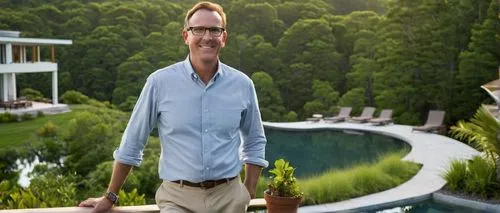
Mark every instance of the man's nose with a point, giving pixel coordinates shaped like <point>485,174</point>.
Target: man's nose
<point>207,35</point>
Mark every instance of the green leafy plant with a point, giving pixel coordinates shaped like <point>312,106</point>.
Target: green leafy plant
<point>32,94</point>
<point>131,199</point>
<point>481,177</point>
<point>456,174</point>
<point>283,183</point>
<point>74,97</point>
<point>483,131</point>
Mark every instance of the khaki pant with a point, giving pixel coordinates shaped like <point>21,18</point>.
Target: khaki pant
<point>231,197</point>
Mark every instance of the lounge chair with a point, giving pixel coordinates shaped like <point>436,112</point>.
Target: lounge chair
<point>434,122</point>
<point>365,116</point>
<point>342,116</point>
<point>384,118</point>
<point>315,118</point>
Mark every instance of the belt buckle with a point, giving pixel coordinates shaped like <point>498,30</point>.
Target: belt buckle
<point>202,185</point>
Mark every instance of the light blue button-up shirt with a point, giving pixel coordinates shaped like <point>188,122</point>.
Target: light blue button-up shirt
<point>206,131</point>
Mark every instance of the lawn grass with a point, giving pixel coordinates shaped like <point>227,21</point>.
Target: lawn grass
<point>16,134</point>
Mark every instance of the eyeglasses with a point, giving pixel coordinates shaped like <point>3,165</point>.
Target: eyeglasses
<point>200,31</point>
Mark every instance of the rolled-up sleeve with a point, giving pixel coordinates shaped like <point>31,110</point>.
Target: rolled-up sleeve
<point>253,136</point>
<point>142,121</point>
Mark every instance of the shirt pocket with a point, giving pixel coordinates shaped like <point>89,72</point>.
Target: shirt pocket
<point>227,121</point>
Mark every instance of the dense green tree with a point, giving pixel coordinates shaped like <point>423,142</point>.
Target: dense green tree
<point>354,98</point>
<point>348,6</point>
<point>255,19</point>
<point>478,65</point>
<point>325,98</point>
<point>270,103</point>
<point>292,11</point>
<point>296,86</point>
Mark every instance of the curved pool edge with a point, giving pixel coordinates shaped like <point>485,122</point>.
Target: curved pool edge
<point>434,152</point>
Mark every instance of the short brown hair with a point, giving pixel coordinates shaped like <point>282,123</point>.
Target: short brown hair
<point>208,6</point>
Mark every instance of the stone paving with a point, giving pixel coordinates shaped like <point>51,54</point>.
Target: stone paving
<point>433,151</point>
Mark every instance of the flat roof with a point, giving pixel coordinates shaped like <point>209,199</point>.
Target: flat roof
<point>493,85</point>
<point>34,41</point>
<point>9,33</point>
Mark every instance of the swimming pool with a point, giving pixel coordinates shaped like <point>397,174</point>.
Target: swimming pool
<point>429,206</point>
<point>317,151</point>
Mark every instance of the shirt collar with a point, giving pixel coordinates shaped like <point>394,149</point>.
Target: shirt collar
<point>194,75</point>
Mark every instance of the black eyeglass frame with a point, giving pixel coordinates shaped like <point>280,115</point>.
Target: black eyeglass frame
<point>213,31</point>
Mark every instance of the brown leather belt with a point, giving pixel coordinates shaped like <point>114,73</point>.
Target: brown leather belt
<point>205,184</point>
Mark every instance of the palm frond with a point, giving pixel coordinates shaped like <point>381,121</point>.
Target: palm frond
<point>481,132</point>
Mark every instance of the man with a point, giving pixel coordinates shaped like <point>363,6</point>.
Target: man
<point>205,112</point>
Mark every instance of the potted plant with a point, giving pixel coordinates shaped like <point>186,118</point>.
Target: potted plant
<point>283,194</point>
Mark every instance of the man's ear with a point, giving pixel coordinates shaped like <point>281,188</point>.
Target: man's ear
<point>224,39</point>
<point>184,35</point>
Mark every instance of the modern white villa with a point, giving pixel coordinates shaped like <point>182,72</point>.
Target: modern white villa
<point>26,55</point>
<point>493,89</point>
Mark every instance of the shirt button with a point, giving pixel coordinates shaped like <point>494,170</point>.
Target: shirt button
<point>208,168</point>
<point>206,130</point>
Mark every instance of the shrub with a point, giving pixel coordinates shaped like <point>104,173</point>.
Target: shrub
<point>47,190</point>
<point>129,104</point>
<point>131,199</point>
<point>456,175</point>
<point>13,117</point>
<point>32,94</point>
<point>49,129</point>
<point>476,176</point>
<point>74,97</point>
<point>290,116</point>
<point>96,103</point>
<point>26,117</point>
<point>8,117</point>
<point>40,114</point>
<point>481,177</point>
<point>109,105</point>
<point>4,117</point>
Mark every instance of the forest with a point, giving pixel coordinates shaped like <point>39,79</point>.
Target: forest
<point>308,56</point>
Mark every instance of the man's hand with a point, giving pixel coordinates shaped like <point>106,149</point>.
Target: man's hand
<point>100,204</point>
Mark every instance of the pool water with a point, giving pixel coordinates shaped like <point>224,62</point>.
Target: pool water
<point>314,152</point>
<point>429,207</point>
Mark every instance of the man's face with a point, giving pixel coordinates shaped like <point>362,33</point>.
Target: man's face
<point>204,48</point>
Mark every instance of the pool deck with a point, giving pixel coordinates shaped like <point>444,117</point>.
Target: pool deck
<point>433,151</point>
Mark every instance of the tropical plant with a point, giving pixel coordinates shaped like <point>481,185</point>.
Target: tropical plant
<point>131,199</point>
<point>480,179</point>
<point>456,174</point>
<point>483,131</point>
<point>284,183</point>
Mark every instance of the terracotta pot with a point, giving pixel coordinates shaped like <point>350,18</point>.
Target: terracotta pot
<point>276,204</point>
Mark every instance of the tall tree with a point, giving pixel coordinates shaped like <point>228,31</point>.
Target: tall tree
<point>270,103</point>
<point>479,64</point>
